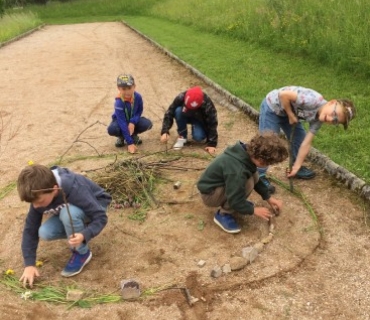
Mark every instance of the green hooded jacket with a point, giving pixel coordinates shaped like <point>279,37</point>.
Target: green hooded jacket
<point>231,170</point>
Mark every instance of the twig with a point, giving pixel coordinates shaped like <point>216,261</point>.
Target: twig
<point>77,140</point>
<point>176,202</point>
<point>291,156</point>
<point>65,201</point>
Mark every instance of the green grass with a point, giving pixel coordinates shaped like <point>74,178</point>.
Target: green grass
<point>251,47</point>
<point>249,72</point>
<point>15,23</point>
<point>56,294</point>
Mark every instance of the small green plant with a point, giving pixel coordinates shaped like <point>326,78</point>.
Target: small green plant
<point>55,294</point>
<point>201,225</point>
<point>138,215</point>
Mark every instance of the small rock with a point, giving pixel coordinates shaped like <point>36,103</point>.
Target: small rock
<point>271,228</point>
<point>237,263</point>
<point>130,289</point>
<point>177,185</point>
<point>268,238</point>
<point>259,246</point>
<point>193,300</point>
<point>216,272</point>
<point>74,295</point>
<point>226,268</point>
<point>250,253</point>
<point>201,263</point>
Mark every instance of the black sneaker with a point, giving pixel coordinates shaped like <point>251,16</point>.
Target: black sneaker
<point>268,184</point>
<point>305,173</point>
<point>120,142</point>
<point>137,140</point>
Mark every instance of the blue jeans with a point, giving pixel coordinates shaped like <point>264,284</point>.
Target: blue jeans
<point>270,121</point>
<point>143,125</point>
<point>197,127</point>
<point>59,226</point>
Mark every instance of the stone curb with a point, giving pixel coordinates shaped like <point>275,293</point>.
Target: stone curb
<point>343,175</point>
<point>3,44</point>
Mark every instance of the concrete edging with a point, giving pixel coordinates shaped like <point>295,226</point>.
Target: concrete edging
<point>2,44</point>
<point>354,183</point>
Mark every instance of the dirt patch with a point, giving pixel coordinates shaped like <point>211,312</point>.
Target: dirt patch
<point>59,81</point>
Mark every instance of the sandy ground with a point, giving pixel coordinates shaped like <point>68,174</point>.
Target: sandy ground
<point>57,88</point>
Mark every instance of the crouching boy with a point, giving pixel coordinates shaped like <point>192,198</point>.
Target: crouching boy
<point>76,209</point>
<point>231,177</point>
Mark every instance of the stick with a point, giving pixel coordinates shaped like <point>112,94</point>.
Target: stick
<point>188,296</point>
<point>69,213</point>
<point>291,156</point>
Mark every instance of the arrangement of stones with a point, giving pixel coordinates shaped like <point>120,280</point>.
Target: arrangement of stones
<point>248,255</point>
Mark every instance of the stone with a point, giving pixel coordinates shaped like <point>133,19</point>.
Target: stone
<point>259,246</point>
<point>74,295</point>
<point>226,268</point>
<point>268,238</point>
<point>237,263</point>
<point>201,263</point>
<point>250,253</point>
<point>130,289</point>
<point>216,272</point>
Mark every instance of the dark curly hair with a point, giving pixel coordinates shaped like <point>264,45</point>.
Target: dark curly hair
<point>268,147</point>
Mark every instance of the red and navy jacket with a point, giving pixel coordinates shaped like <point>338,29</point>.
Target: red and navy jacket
<point>206,113</point>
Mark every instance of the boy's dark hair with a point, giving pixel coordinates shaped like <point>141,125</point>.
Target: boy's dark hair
<point>32,178</point>
<point>268,147</point>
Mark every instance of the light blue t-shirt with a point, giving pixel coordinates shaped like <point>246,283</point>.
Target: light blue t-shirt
<point>305,107</point>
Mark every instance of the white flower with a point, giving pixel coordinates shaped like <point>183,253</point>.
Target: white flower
<point>26,295</point>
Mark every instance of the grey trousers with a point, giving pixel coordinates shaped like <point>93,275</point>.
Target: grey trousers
<point>217,198</point>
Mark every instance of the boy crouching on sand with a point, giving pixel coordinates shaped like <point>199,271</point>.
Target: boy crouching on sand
<point>231,177</point>
<point>48,190</point>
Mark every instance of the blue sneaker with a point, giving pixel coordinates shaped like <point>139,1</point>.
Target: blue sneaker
<point>267,183</point>
<point>305,173</point>
<point>76,263</point>
<point>226,222</point>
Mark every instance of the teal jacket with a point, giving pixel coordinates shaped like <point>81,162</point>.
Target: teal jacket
<point>231,170</point>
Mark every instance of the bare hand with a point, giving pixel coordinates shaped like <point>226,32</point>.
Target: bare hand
<point>210,150</point>
<point>262,212</point>
<point>131,148</point>
<point>293,119</point>
<point>76,240</point>
<point>131,128</point>
<point>291,173</point>
<point>276,204</point>
<point>29,275</point>
<point>165,137</point>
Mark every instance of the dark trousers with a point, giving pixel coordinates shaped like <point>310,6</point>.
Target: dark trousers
<point>143,125</point>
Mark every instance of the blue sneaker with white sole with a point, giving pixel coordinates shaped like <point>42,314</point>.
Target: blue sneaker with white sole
<point>226,222</point>
<point>76,263</point>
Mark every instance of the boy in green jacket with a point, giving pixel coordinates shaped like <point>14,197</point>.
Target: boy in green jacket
<point>231,177</point>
